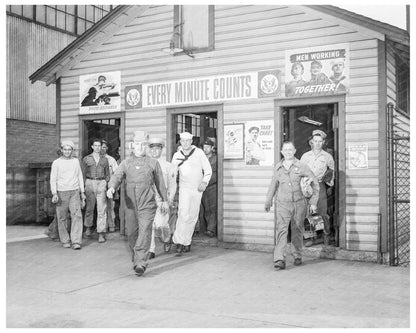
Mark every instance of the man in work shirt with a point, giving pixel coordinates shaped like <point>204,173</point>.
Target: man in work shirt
<point>112,163</point>
<point>208,210</point>
<point>322,164</point>
<point>254,152</point>
<point>66,184</point>
<point>141,173</point>
<point>290,203</point>
<point>96,173</point>
<point>194,172</point>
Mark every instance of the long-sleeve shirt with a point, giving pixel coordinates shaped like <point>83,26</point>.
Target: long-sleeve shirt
<point>192,168</point>
<point>66,175</point>
<point>285,183</point>
<point>319,163</point>
<point>94,170</point>
<point>140,171</point>
<point>112,163</point>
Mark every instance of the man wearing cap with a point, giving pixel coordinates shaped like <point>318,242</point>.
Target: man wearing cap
<point>208,210</point>
<point>142,173</point>
<point>194,172</point>
<point>317,77</point>
<point>112,163</point>
<point>155,151</point>
<point>338,74</point>
<point>67,185</point>
<point>96,172</point>
<point>254,152</point>
<point>323,167</point>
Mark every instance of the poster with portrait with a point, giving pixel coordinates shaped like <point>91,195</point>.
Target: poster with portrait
<point>100,92</point>
<point>259,143</point>
<point>317,71</point>
<point>358,156</point>
<point>234,141</point>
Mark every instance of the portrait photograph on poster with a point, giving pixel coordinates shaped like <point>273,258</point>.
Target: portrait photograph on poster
<point>234,141</point>
<point>259,145</point>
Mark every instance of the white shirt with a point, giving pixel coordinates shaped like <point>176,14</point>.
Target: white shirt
<point>112,164</point>
<point>319,163</point>
<point>66,175</point>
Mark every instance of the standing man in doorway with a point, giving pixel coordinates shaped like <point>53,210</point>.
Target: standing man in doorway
<point>96,173</point>
<point>194,172</point>
<point>112,163</point>
<point>208,210</point>
<point>323,167</point>
<point>290,203</point>
<point>254,152</point>
<point>66,184</point>
<point>142,173</point>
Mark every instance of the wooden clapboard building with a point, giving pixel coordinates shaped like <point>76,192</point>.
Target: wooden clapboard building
<point>222,71</point>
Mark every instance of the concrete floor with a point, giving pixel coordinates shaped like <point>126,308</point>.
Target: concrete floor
<point>49,286</point>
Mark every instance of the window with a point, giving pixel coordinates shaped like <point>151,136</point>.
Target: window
<point>402,85</point>
<point>194,27</point>
<point>70,18</point>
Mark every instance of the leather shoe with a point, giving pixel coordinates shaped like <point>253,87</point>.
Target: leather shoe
<point>139,270</point>
<point>151,255</point>
<point>76,246</point>
<point>210,234</point>
<point>280,264</point>
<point>298,261</point>
<point>101,238</point>
<point>179,249</point>
<point>88,232</point>
<point>187,248</point>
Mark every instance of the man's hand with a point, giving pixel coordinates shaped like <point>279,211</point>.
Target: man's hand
<point>313,209</point>
<point>171,202</point>
<point>55,198</point>
<point>267,206</point>
<point>110,193</point>
<point>202,186</point>
<point>83,198</point>
<point>164,207</point>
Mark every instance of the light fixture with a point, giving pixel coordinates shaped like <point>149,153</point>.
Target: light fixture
<point>307,120</point>
<point>173,50</point>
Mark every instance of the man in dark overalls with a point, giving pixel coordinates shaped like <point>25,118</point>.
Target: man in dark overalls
<point>141,172</point>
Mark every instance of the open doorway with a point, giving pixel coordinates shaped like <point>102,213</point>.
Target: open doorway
<point>203,124</point>
<point>298,124</point>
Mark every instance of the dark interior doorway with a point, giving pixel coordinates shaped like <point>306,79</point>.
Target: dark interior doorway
<point>104,129</point>
<point>298,124</point>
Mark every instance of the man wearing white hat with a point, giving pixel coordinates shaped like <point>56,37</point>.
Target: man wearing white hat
<point>194,171</point>
<point>67,187</point>
<point>156,146</point>
<point>142,173</point>
<point>322,165</point>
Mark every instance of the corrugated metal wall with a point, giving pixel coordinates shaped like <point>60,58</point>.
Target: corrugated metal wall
<point>247,38</point>
<point>29,46</point>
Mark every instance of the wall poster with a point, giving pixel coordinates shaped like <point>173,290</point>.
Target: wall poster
<point>358,157</point>
<point>100,92</point>
<point>259,146</point>
<point>234,141</point>
<point>317,71</point>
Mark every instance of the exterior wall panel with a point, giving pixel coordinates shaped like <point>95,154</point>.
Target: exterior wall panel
<point>247,38</point>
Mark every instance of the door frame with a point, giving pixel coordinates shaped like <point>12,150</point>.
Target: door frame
<point>96,116</point>
<point>339,136</point>
<point>218,108</point>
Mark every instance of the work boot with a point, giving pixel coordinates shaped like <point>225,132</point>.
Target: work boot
<point>298,261</point>
<point>187,248</point>
<point>101,238</point>
<point>88,232</point>
<point>179,249</point>
<point>76,246</point>
<point>279,264</point>
<point>151,255</point>
<point>66,245</point>
<point>210,234</point>
<point>139,270</point>
<point>111,229</point>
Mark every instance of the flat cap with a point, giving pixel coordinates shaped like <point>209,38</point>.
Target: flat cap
<point>186,136</point>
<point>67,143</point>
<point>209,142</point>
<point>320,133</point>
<point>156,142</point>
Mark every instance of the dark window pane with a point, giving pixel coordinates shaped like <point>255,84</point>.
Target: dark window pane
<point>50,16</point>
<point>60,18</point>
<point>28,11</point>
<point>40,13</point>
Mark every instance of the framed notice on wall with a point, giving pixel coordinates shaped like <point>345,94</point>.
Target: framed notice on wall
<point>234,141</point>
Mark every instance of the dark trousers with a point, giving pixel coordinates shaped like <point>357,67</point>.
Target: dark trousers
<point>208,210</point>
